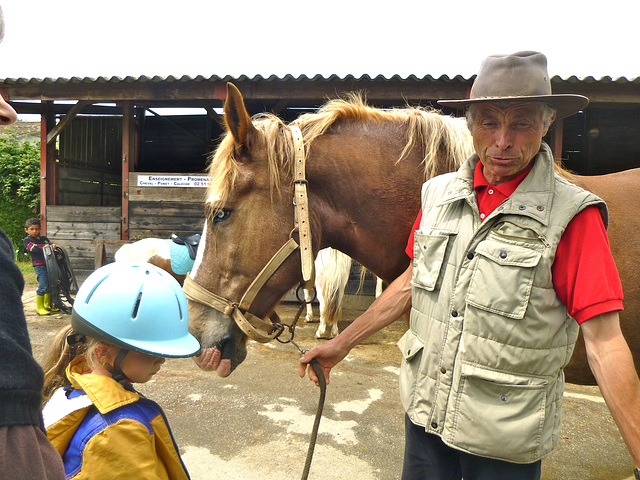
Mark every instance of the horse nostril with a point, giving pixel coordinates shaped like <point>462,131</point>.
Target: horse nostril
<point>225,346</point>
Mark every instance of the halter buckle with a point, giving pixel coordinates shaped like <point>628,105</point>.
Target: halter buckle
<point>281,328</point>
<point>228,311</point>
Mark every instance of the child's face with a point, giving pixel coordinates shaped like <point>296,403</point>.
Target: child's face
<point>140,367</point>
<point>33,230</point>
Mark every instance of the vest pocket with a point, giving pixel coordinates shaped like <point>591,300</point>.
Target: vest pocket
<point>502,278</point>
<point>411,347</point>
<point>429,251</point>
<point>499,415</point>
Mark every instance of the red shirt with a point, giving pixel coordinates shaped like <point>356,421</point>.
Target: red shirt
<point>585,276</point>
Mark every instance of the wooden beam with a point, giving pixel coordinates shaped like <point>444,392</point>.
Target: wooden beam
<point>48,184</point>
<point>100,258</point>
<point>557,141</point>
<point>66,120</point>
<point>281,105</point>
<point>177,125</point>
<point>315,90</point>
<point>128,160</point>
<point>219,119</point>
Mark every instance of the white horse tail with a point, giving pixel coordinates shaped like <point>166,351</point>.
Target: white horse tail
<point>334,283</point>
<point>336,267</point>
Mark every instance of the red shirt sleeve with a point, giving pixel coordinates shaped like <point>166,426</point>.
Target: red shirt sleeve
<point>415,227</point>
<point>585,276</point>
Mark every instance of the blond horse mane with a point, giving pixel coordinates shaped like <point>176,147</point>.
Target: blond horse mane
<point>442,137</point>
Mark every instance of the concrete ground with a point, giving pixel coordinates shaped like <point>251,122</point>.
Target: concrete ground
<point>256,423</point>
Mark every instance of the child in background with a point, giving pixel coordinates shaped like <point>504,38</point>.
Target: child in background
<point>34,243</point>
<point>126,318</point>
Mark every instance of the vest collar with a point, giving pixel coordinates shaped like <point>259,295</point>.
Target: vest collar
<point>532,198</point>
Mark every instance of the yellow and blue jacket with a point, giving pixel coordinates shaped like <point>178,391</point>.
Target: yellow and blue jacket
<point>104,431</point>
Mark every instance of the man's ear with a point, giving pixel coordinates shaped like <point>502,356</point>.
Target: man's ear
<point>553,119</point>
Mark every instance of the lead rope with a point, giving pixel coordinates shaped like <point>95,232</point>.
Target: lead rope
<point>323,389</point>
<point>314,432</point>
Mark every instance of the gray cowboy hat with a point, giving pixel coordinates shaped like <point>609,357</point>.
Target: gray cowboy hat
<point>520,77</point>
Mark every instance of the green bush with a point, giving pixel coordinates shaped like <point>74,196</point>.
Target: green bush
<point>28,273</point>
<point>19,186</point>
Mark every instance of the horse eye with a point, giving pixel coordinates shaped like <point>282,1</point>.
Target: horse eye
<point>221,216</point>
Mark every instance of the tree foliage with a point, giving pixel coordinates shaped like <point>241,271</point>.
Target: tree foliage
<point>19,185</point>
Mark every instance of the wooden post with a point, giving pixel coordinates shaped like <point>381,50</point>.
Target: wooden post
<point>100,258</point>
<point>101,254</point>
<point>48,183</point>
<point>128,162</point>
<point>557,141</point>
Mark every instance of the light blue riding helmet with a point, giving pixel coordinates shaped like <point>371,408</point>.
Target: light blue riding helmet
<point>136,306</point>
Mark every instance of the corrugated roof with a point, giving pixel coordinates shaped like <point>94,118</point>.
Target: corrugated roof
<point>288,77</point>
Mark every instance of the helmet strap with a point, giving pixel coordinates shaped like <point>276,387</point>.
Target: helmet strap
<point>117,374</point>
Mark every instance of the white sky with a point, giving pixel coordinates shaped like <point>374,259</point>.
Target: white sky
<point>91,38</point>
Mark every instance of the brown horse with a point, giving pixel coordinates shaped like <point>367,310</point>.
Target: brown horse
<point>364,170</point>
<point>620,191</point>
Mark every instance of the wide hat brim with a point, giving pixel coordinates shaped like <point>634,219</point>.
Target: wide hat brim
<point>521,77</point>
<point>565,105</point>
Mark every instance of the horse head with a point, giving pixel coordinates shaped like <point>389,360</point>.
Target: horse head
<point>249,218</point>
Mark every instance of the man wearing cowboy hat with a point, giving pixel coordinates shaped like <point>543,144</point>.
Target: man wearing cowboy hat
<point>497,296</point>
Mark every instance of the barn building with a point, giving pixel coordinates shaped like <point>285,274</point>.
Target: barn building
<point>117,165</point>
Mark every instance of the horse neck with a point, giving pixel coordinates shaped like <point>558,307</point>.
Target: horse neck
<point>363,201</point>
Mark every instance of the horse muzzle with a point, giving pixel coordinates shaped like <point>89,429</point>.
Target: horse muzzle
<point>223,344</point>
<point>224,357</point>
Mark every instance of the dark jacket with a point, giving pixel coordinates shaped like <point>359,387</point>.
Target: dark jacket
<point>34,246</point>
<point>21,377</point>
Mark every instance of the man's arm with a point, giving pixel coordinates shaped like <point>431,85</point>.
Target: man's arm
<point>612,365</point>
<point>394,302</point>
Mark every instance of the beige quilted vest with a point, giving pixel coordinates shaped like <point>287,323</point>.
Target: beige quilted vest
<point>489,338</point>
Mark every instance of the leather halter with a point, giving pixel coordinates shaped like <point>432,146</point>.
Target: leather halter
<point>259,329</point>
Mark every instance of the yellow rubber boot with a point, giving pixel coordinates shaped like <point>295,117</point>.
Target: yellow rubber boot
<point>47,303</point>
<point>40,306</point>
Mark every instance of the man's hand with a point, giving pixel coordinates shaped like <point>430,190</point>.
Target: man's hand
<point>394,302</point>
<point>328,354</point>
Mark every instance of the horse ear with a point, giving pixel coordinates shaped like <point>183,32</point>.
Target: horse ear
<point>236,116</point>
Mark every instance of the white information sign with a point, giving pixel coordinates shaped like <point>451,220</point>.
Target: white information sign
<point>198,181</point>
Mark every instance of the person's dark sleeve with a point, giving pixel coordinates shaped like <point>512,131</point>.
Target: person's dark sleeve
<point>21,378</point>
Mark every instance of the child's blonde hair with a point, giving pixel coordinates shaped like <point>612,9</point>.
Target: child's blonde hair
<point>61,354</point>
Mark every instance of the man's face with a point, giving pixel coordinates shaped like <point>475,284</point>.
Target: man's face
<point>506,138</point>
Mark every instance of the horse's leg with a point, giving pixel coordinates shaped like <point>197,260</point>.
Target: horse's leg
<point>378,286</point>
<point>323,330</point>
<point>318,266</point>
<point>331,293</point>
<point>307,298</point>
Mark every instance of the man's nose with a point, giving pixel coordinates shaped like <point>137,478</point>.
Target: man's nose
<point>7,113</point>
<point>504,138</point>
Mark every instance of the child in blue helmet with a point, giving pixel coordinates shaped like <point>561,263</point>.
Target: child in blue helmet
<point>126,319</point>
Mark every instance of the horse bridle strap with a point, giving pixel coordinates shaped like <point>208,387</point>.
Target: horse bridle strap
<point>301,204</point>
<point>252,326</point>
